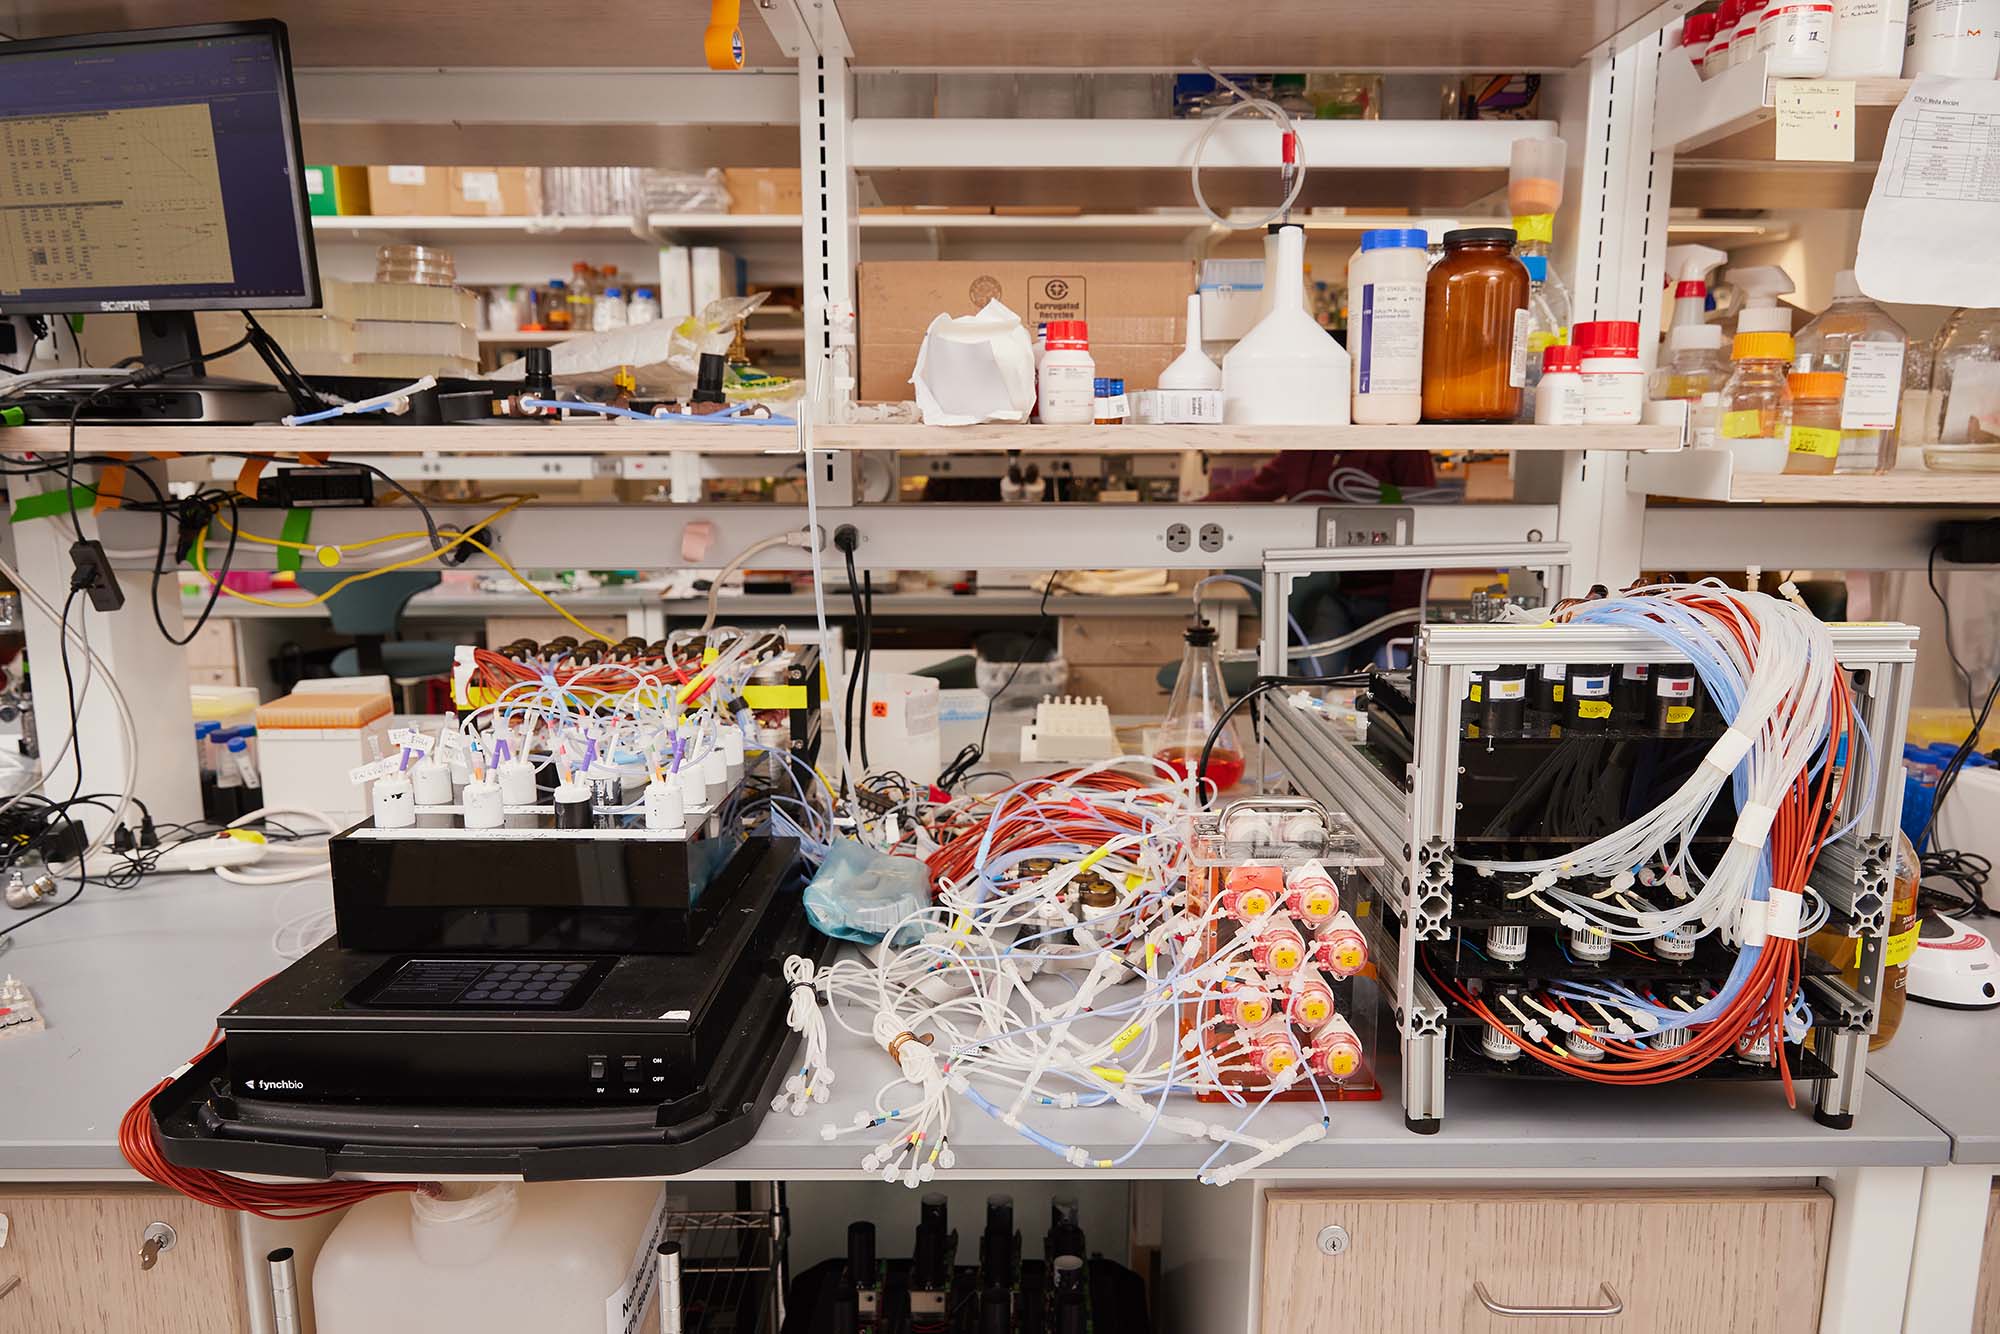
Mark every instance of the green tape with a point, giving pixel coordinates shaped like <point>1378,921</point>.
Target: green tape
<point>48,504</point>
<point>298,524</point>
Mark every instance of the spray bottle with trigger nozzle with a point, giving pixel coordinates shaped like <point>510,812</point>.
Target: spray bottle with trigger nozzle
<point>1694,366</point>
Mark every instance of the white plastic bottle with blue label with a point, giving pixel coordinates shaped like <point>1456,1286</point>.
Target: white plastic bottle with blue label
<point>1385,325</point>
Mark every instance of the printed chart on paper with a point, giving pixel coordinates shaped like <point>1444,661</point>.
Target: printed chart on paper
<point>1936,154</point>
<point>112,199</point>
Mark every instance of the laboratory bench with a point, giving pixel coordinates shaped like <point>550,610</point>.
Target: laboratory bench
<point>131,982</point>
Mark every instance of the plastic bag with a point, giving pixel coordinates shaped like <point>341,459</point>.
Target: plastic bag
<point>861,894</point>
<point>661,356</point>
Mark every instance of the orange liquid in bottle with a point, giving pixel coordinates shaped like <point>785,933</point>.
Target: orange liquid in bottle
<point>1225,767</point>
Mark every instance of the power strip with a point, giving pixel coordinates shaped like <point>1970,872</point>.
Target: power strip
<point>1070,728</point>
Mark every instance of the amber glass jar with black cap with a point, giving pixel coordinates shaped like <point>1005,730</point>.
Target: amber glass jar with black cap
<point>1475,328</point>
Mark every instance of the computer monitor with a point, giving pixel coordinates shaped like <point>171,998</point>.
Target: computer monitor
<point>154,172</point>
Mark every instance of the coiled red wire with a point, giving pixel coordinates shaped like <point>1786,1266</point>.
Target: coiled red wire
<point>138,1140</point>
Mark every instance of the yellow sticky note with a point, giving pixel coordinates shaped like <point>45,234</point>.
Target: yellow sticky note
<point>1815,120</point>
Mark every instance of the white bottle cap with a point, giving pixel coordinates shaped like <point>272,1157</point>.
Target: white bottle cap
<point>567,793</point>
<point>732,746</point>
<point>663,807</point>
<point>393,803</point>
<point>1765,319</point>
<point>1685,337</point>
<point>484,806</point>
<point>1845,284</point>
<point>694,788</point>
<point>431,782</point>
<point>517,782</point>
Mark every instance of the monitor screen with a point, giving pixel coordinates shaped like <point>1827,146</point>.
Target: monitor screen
<point>152,171</point>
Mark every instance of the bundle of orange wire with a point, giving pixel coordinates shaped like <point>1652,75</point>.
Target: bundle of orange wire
<point>496,672</point>
<point>1041,812</point>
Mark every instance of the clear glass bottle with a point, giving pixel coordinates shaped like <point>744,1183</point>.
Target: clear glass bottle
<point>1198,701</point>
<point>1475,329</point>
<point>1695,372</point>
<point>582,295</point>
<point>1548,324</point>
<point>1757,402</point>
<point>553,300</point>
<point>1857,338</point>
<point>1965,394</point>
<point>1814,437</point>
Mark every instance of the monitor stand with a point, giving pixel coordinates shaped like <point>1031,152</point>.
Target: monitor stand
<point>185,397</point>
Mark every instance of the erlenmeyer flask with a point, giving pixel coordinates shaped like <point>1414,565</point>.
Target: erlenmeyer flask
<point>1199,699</point>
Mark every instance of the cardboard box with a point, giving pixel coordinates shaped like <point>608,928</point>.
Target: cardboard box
<point>496,192</point>
<point>337,191</point>
<point>764,190</point>
<point>1135,311</point>
<point>409,192</point>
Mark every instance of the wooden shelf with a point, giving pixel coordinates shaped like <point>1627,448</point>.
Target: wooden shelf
<point>610,437</point>
<point>1169,34</point>
<point>1137,439</point>
<point>1723,133</point>
<point>1710,474</point>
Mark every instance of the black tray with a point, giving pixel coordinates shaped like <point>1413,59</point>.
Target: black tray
<point>201,1126</point>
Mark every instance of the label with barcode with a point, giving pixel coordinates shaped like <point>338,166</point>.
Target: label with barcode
<point>1874,388</point>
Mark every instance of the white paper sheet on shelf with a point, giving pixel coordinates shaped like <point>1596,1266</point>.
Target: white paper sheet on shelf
<point>1928,234</point>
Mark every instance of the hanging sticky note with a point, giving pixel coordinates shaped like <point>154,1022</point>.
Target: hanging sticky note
<point>1815,120</point>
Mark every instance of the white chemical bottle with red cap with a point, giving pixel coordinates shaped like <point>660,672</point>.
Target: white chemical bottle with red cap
<point>1066,383</point>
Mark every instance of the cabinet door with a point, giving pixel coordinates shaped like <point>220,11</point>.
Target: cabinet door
<point>1681,1262</point>
<point>76,1253</point>
<point>1986,1310</point>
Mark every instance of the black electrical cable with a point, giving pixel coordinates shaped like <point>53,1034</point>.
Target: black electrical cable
<point>1262,685</point>
<point>867,656</point>
<point>1949,777</point>
<point>69,690</point>
<point>1951,651</point>
<point>860,651</point>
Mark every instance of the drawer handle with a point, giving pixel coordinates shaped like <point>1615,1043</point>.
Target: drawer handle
<point>1615,1307</point>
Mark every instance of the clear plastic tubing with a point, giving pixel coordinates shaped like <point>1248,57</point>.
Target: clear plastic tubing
<point>1385,285</point>
<point>1868,38</point>
<point>1960,38</point>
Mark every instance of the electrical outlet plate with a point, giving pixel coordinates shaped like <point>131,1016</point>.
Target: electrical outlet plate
<point>1367,526</point>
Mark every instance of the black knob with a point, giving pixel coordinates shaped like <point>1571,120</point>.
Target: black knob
<point>861,1253</point>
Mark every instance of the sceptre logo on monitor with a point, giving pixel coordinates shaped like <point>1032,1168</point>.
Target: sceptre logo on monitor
<point>124,305</point>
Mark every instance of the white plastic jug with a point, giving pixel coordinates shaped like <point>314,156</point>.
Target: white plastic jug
<point>547,1258</point>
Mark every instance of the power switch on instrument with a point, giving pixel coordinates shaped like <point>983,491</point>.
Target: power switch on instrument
<point>597,1066</point>
<point>631,1067</point>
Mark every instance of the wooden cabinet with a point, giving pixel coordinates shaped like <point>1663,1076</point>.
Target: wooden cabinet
<point>1986,1309</point>
<point>1681,1262</point>
<point>76,1254</point>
